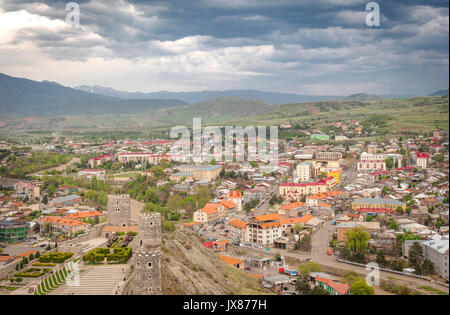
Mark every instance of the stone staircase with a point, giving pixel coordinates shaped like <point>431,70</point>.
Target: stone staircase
<point>96,280</point>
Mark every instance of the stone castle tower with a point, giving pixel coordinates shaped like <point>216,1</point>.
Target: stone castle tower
<point>147,257</point>
<point>118,210</point>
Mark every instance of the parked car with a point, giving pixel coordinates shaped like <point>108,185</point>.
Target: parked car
<point>248,268</point>
<point>329,252</point>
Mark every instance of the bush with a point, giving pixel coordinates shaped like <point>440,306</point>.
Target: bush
<point>43,264</point>
<point>32,273</point>
<point>55,257</point>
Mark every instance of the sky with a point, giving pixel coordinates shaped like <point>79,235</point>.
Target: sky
<point>309,47</point>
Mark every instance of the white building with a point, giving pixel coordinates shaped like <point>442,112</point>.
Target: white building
<point>303,172</point>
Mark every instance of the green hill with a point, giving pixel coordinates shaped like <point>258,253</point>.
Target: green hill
<point>399,115</point>
<point>213,111</point>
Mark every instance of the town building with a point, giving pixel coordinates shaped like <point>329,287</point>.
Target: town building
<point>13,231</point>
<point>377,203</point>
<point>63,225</point>
<point>97,161</point>
<point>264,229</point>
<point>201,172</point>
<point>27,189</point>
<point>328,156</point>
<point>143,158</point>
<point>236,197</point>
<point>372,228</point>
<point>90,173</point>
<point>303,173</point>
<point>210,213</point>
<point>296,191</point>
<point>423,160</point>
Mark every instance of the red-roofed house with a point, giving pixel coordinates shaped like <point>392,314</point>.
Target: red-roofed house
<point>333,287</point>
<point>100,160</point>
<point>236,197</point>
<point>423,160</point>
<point>63,225</point>
<point>210,213</point>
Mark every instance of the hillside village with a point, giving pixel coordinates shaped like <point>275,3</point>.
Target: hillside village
<point>307,224</point>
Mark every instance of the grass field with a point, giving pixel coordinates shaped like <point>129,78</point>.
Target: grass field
<point>419,114</point>
<point>400,115</point>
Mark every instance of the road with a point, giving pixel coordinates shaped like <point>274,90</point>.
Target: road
<point>264,204</point>
<point>61,168</point>
<point>319,254</point>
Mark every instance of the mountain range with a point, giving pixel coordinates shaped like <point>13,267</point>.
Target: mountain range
<point>31,98</point>
<point>201,96</point>
<point>27,104</point>
<point>440,93</point>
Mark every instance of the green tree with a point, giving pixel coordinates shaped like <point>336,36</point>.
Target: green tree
<point>303,287</point>
<point>305,269</point>
<point>357,239</point>
<point>277,256</point>
<point>360,287</point>
<point>415,256</point>
<point>428,267</point>
<point>389,162</point>
<point>381,259</point>
<point>393,225</point>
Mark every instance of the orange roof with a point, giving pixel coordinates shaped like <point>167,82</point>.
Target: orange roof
<point>255,275</point>
<point>5,258</point>
<point>305,218</point>
<point>228,204</point>
<point>339,287</point>
<point>210,208</point>
<point>231,260</point>
<point>63,221</point>
<point>234,194</point>
<point>334,193</point>
<point>84,214</point>
<point>189,224</point>
<point>293,205</point>
<point>291,221</point>
<point>27,254</point>
<point>270,225</point>
<point>318,196</point>
<point>268,217</point>
<point>238,224</point>
<point>325,205</point>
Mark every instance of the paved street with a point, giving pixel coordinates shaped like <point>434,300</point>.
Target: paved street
<point>319,255</point>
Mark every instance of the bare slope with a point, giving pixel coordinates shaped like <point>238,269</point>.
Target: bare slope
<point>190,268</point>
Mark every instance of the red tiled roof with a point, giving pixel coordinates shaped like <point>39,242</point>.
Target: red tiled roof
<point>338,287</point>
<point>231,260</point>
<point>238,224</point>
<point>422,155</point>
<point>228,204</point>
<point>234,194</point>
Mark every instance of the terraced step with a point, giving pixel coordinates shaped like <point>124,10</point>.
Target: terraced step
<point>96,280</point>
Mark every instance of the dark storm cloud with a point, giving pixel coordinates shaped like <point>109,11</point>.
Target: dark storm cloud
<point>297,41</point>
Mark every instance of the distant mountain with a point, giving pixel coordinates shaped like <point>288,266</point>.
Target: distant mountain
<point>440,93</point>
<point>215,110</point>
<point>32,98</point>
<point>360,97</point>
<point>201,96</point>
